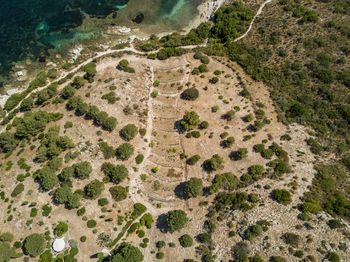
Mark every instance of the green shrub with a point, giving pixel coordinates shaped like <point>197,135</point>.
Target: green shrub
<point>62,194</point>
<point>142,131</point>
<point>190,120</point>
<point>139,209</point>
<point>230,115</point>
<point>154,94</point>
<point>259,148</point>
<point>334,224</point>
<point>34,245</point>
<point>39,81</point>
<point>17,190</point>
<point>119,193</point>
<point>333,257</point>
<point>204,59</point>
<point>107,150</point>
<point>33,212</point>
<point>253,198</point>
<point>256,170</point>
<point>267,153</point>
<point>6,237</point>
<point>110,97</point>
<point>229,141</point>
<point>61,229</point>
<point>129,132</point>
<point>160,244</point>
<point>82,170</point>
<point>68,92</point>
<point>27,104</point>
<point>253,232</point>
<point>186,240</point>
<point>125,151</point>
<point>146,220</point>
<point>190,94</point>
<point>124,66</point>
<point>90,71</point>
<point>213,164</point>
<point>8,142</point>
<point>139,159</point>
<point>115,173</point>
<point>240,154</point>
<point>291,239</point>
<point>46,210</point>
<point>204,125</point>
<point>193,187</point>
<point>282,196</point>
<point>227,181</point>
<point>103,201</point>
<point>277,259</point>
<point>48,178</point>
<point>176,220</point>
<point>94,189</point>
<point>160,255</point>
<point>82,239</point>
<point>55,163</point>
<point>91,223</point>
<point>193,160</point>
<point>81,211</point>
<point>214,80</point>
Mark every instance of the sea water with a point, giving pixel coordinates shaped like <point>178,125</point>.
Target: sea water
<point>29,29</point>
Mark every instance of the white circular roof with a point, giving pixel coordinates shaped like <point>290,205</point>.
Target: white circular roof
<point>58,244</point>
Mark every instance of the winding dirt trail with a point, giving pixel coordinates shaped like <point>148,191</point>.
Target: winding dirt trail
<point>252,22</point>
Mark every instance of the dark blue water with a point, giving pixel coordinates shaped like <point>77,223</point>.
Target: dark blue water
<point>28,27</point>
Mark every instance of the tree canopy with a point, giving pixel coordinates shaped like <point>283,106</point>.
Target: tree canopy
<point>115,173</point>
<point>94,189</point>
<point>176,220</point>
<point>126,253</point>
<point>129,132</point>
<point>190,120</point>
<point>34,244</point>
<point>193,187</point>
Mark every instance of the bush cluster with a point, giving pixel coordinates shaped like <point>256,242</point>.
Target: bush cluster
<point>100,118</point>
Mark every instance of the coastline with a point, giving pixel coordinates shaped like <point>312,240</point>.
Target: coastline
<point>205,12</point>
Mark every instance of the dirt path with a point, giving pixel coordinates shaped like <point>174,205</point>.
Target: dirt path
<point>252,22</point>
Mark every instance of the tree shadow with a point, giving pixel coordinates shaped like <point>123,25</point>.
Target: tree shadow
<point>161,223</point>
<point>179,190</point>
<point>180,129</point>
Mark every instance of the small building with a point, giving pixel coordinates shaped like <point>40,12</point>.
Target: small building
<point>58,245</point>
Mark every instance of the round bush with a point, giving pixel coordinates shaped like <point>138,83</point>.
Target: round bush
<point>193,187</point>
<point>129,132</point>
<point>160,255</point>
<point>91,223</point>
<point>125,151</point>
<point>176,220</point>
<point>82,239</point>
<point>34,245</point>
<point>186,240</point>
<point>190,94</point>
<point>282,196</point>
<point>60,229</point>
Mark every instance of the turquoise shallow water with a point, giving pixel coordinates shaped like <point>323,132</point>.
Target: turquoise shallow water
<point>30,28</point>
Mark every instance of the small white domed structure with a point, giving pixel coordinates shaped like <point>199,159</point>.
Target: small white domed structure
<point>58,245</point>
